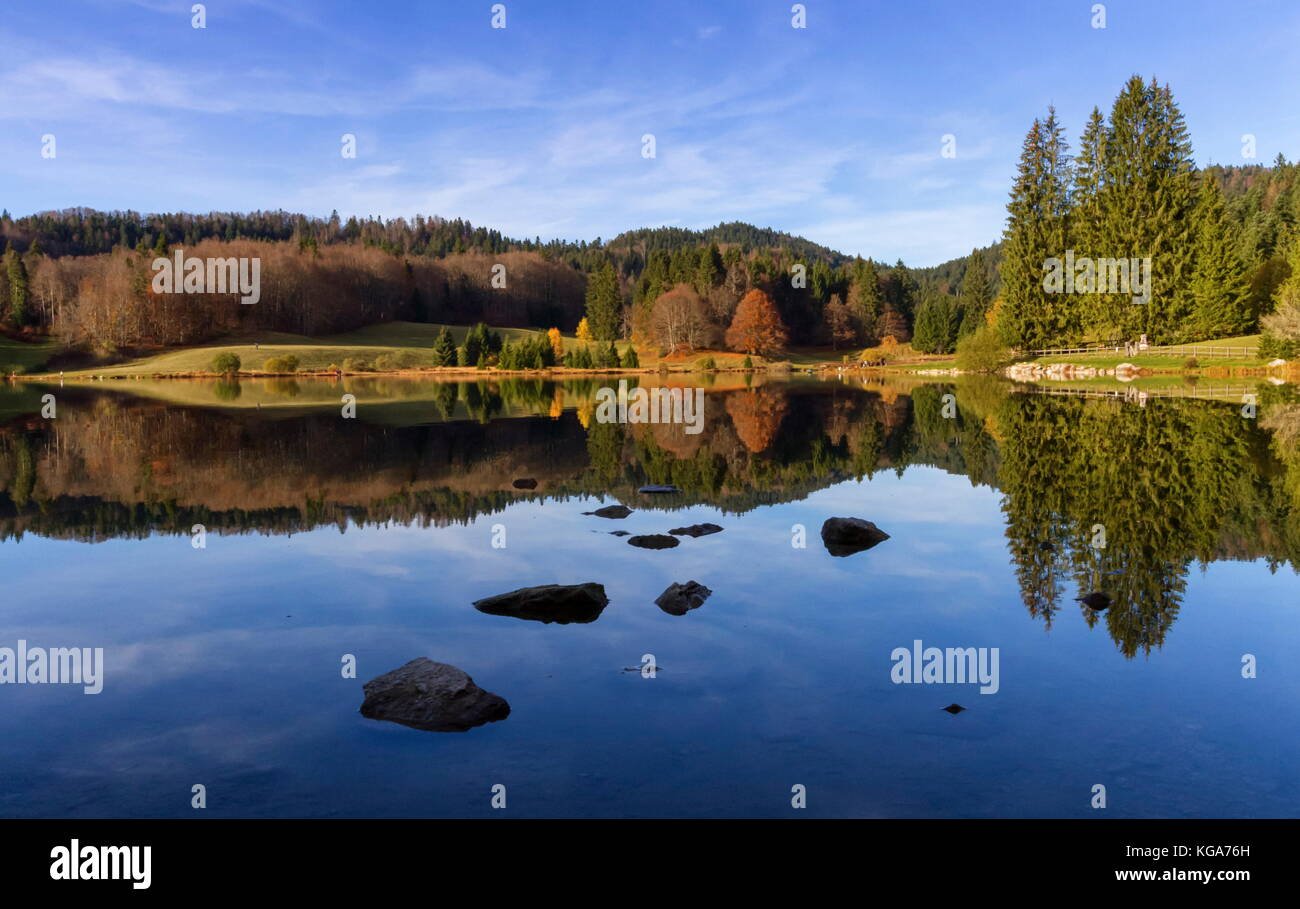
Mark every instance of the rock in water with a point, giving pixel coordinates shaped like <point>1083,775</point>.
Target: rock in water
<point>680,599</point>
<point>431,696</point>
<point>525,483</point>
<point>845,536</point>
<point>954,709</point>
<point>658,490</point>
<point>696,530</point>
<point>654,541</point>
<point>611,511</point>
<point>1096,601</point>
<point>620,533</point>
<point>559,603</point>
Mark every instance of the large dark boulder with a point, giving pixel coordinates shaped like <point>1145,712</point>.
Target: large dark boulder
<point>525,483</point>
<point>845,536</point>
<point>611,511</point>
<point>680,599</point>
<point>559,603</point>
<point>696,530</point>
<point>431,696</point>
<point>654,541</point>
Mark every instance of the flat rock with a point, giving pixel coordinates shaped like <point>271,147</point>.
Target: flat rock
<point>696,530</point>
<point>525,483</point>
<point>658,490</point>
<point>620,533</point>
<point>654,541</point>
<point>559,603</point>
<point>431,696</point>
<point>611,511</point>
<point>845,536</point>
<point>680,599</point>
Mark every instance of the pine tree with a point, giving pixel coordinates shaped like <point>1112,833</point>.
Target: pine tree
<point>1220,289</point>
<point>604,303</point>
<point>1036,231</point>
<point>444,349</point>
<point>1093,313</point>
<point>976,293</point>
<point>866,299</point>
<point>1147,205</point>
<point>18,291</point>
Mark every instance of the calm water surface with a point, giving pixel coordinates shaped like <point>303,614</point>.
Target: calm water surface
<point>373,537</point>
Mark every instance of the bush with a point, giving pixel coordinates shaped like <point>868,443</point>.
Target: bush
<point>629,360</point>
<point>747,363</point>
<point>1191,363</point>
<point>705,363</point>
<point>286,363</point>
<point>401,359</point>
<point>227,362</point>
<point>1272,347</point>
<point>357,364</point>
<point>982,351</point>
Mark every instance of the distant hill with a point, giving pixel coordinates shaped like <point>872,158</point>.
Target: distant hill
<point>733,233</point>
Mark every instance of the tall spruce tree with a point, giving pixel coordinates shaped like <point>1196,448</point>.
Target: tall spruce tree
<point>18,290</point>
<point>976,293</point>
<point>1092,318</point>
<point>1147,206</point>
<point>604,303</point>
<point>1220,288</point>
<point>1037,230</point>
<point>865,299</point>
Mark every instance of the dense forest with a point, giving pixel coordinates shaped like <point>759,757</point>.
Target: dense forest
<point>1223,242</point>
<point>1217,239</point>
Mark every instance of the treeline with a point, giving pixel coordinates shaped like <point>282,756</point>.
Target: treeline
<point>1131,191</point>
<point>107,302</point>
<point>688,298</point>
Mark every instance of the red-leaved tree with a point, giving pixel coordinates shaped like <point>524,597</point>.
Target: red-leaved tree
<point>756,328</point>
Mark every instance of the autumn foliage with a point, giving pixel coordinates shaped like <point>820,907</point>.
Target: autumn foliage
<point>756,328</point>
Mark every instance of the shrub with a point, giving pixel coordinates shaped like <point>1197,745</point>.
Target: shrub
<point>400,359</point>
<point>747,363</point>
<point>629,360</point>
<point>357,364</point>
<point>226,362</point>
<point>286,363</point>
<point>705,363</point>
<point>1191,363</point>
<point>982,351</point>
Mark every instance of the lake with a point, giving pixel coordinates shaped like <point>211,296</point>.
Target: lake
<point>326,539</point>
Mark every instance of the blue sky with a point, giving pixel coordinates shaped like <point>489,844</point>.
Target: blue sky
<point>833,131</point>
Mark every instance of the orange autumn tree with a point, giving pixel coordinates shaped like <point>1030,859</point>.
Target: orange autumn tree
<point>756,328</point>
<point>557,344</point>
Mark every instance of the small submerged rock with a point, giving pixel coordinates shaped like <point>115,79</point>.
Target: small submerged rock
<point>954,709</point>
<point>620,533</point>
<point>846,536</point>
<point>680,599</point>
<point>696,530</point>
<point>525,483</point>
<point>658,489</point>
<point>611,511</point>
<point>654,541</point>
<point>559,603</point>
<point>1095,601</point>
<point>434,697</point>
